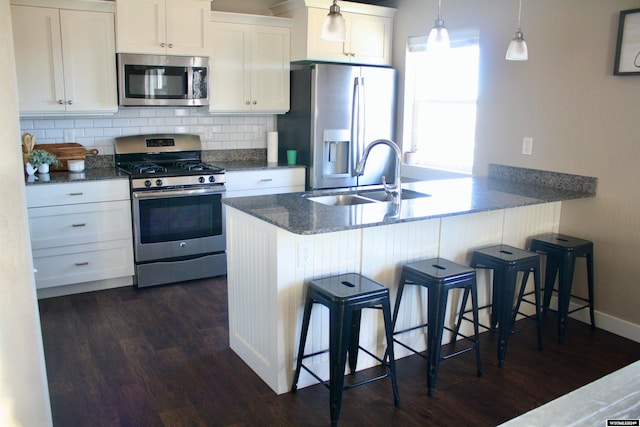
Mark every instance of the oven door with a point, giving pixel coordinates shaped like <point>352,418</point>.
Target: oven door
<point>178,223</point>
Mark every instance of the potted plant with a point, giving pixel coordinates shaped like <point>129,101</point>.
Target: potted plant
<point>41,159</point>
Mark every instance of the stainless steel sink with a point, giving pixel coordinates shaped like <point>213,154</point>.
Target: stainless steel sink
<point>341,200</point>
<point>364,197</point>
<point>383,196</point>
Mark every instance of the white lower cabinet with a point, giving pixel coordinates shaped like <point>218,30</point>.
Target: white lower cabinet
<point>264,181</point>
<point>81,236</point>
<point>66,265</point>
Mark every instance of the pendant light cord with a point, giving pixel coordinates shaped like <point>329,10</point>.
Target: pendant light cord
<point>519,14</point>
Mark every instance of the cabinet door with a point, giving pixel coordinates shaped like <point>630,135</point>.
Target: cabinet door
<point>38,50</point>
<point>230,80</point>
<point>141,26</point>
<point>370,38</point>
<point>270,67</point>
<point>249,68</point>
<point>88,45</point>
<point>188,27</point>
<point>322,50</point>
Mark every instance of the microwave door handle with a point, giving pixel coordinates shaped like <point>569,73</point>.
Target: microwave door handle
<point>189,71</point>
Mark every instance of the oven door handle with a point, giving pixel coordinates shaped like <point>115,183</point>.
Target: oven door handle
<point>177,193</point>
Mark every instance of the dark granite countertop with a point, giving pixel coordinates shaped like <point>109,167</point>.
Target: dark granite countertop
<point>90,174</point>
<point>100,173</point>
<point>294,212</point>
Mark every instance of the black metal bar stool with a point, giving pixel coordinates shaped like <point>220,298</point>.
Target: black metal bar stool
<point>561,252</point>
<point>439,276</point>
<point>345,296</point>
<point>506,261</point>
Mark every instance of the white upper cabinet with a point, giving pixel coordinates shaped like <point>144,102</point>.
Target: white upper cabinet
<point>165,27</point>
<point>65,60</point>
<point>250,63</point>
<point>369,32</point>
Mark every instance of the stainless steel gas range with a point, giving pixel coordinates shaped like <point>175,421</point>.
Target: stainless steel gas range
<point>178,220</point>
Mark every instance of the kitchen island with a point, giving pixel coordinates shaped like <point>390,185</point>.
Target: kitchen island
<point>276,243</point>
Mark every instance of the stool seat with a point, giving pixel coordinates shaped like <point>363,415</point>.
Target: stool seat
<point>506,262</point>
<point>346,295</point>
<point>561,252</point>
<point>439,276</point>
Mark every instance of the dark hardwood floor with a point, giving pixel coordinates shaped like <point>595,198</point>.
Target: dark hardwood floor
<point>160,357</point>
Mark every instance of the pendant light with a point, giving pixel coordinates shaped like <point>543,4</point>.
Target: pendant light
<point>439,36</point>
<point>334,28</point>
<point>517,50</point>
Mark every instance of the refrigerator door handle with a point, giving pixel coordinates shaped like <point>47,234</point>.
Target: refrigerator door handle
<point>357,122</point>
<point>355,148</point>
<point>361,117</point>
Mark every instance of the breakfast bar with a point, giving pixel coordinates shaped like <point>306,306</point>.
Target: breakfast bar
<point>277,243</point>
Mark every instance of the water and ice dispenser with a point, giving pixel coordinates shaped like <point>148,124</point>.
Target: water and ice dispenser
<point>336,153</point>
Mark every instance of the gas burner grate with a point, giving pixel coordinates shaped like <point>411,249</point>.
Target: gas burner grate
<point>197,166</point>
<point>141,168</point>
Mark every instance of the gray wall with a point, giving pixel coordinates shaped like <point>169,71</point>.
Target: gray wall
<point>583,119</point>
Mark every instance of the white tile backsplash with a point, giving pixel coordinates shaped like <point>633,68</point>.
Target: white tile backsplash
<point>218,132</point>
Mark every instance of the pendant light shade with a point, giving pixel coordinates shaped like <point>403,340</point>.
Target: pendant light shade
<point>517,50</point>
<point>334,27</point>
<point>439,36</point>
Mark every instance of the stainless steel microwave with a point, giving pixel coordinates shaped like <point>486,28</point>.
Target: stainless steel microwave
<point>161,80</point>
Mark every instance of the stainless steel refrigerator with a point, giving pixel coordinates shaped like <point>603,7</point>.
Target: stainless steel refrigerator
<point>336,111</point>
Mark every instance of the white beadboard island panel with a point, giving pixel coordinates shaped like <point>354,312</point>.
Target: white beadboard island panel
<point>385,250</point>
<point>267,274</point>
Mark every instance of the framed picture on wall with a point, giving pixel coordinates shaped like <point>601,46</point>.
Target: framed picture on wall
<point>628,46</point>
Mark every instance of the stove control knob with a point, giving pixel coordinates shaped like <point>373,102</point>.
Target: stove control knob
<point>201,180</point>
<point>147,183</point>
<point>212,178</point>
<point>158,182</point>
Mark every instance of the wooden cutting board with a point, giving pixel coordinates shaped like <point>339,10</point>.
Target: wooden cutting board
<point>66,151</point>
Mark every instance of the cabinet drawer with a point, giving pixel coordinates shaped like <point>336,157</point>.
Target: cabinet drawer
<point>77,192</point>
<point>79,224</point>
<point>83,263</point>
<point>264,179</point>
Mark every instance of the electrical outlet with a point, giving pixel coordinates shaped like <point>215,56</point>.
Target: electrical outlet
<point>208,133</point>
<point>305,254</point>
<point>69,135</point>
<point>527,145</point>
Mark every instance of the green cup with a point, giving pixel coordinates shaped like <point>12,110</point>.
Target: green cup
<point>292,157</point>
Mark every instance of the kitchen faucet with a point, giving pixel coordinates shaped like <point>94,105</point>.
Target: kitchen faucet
<point>395,190</point>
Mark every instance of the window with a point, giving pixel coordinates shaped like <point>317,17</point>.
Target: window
<point>441,91</point>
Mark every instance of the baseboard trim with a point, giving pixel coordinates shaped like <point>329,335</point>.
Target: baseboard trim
<point>78,288</point>
<point>603,321</point>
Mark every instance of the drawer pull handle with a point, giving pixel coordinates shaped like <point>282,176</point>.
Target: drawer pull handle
<point>80,264</point>
<point>76,194</point>
<point>266,179</point>
<point>79,225</point>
